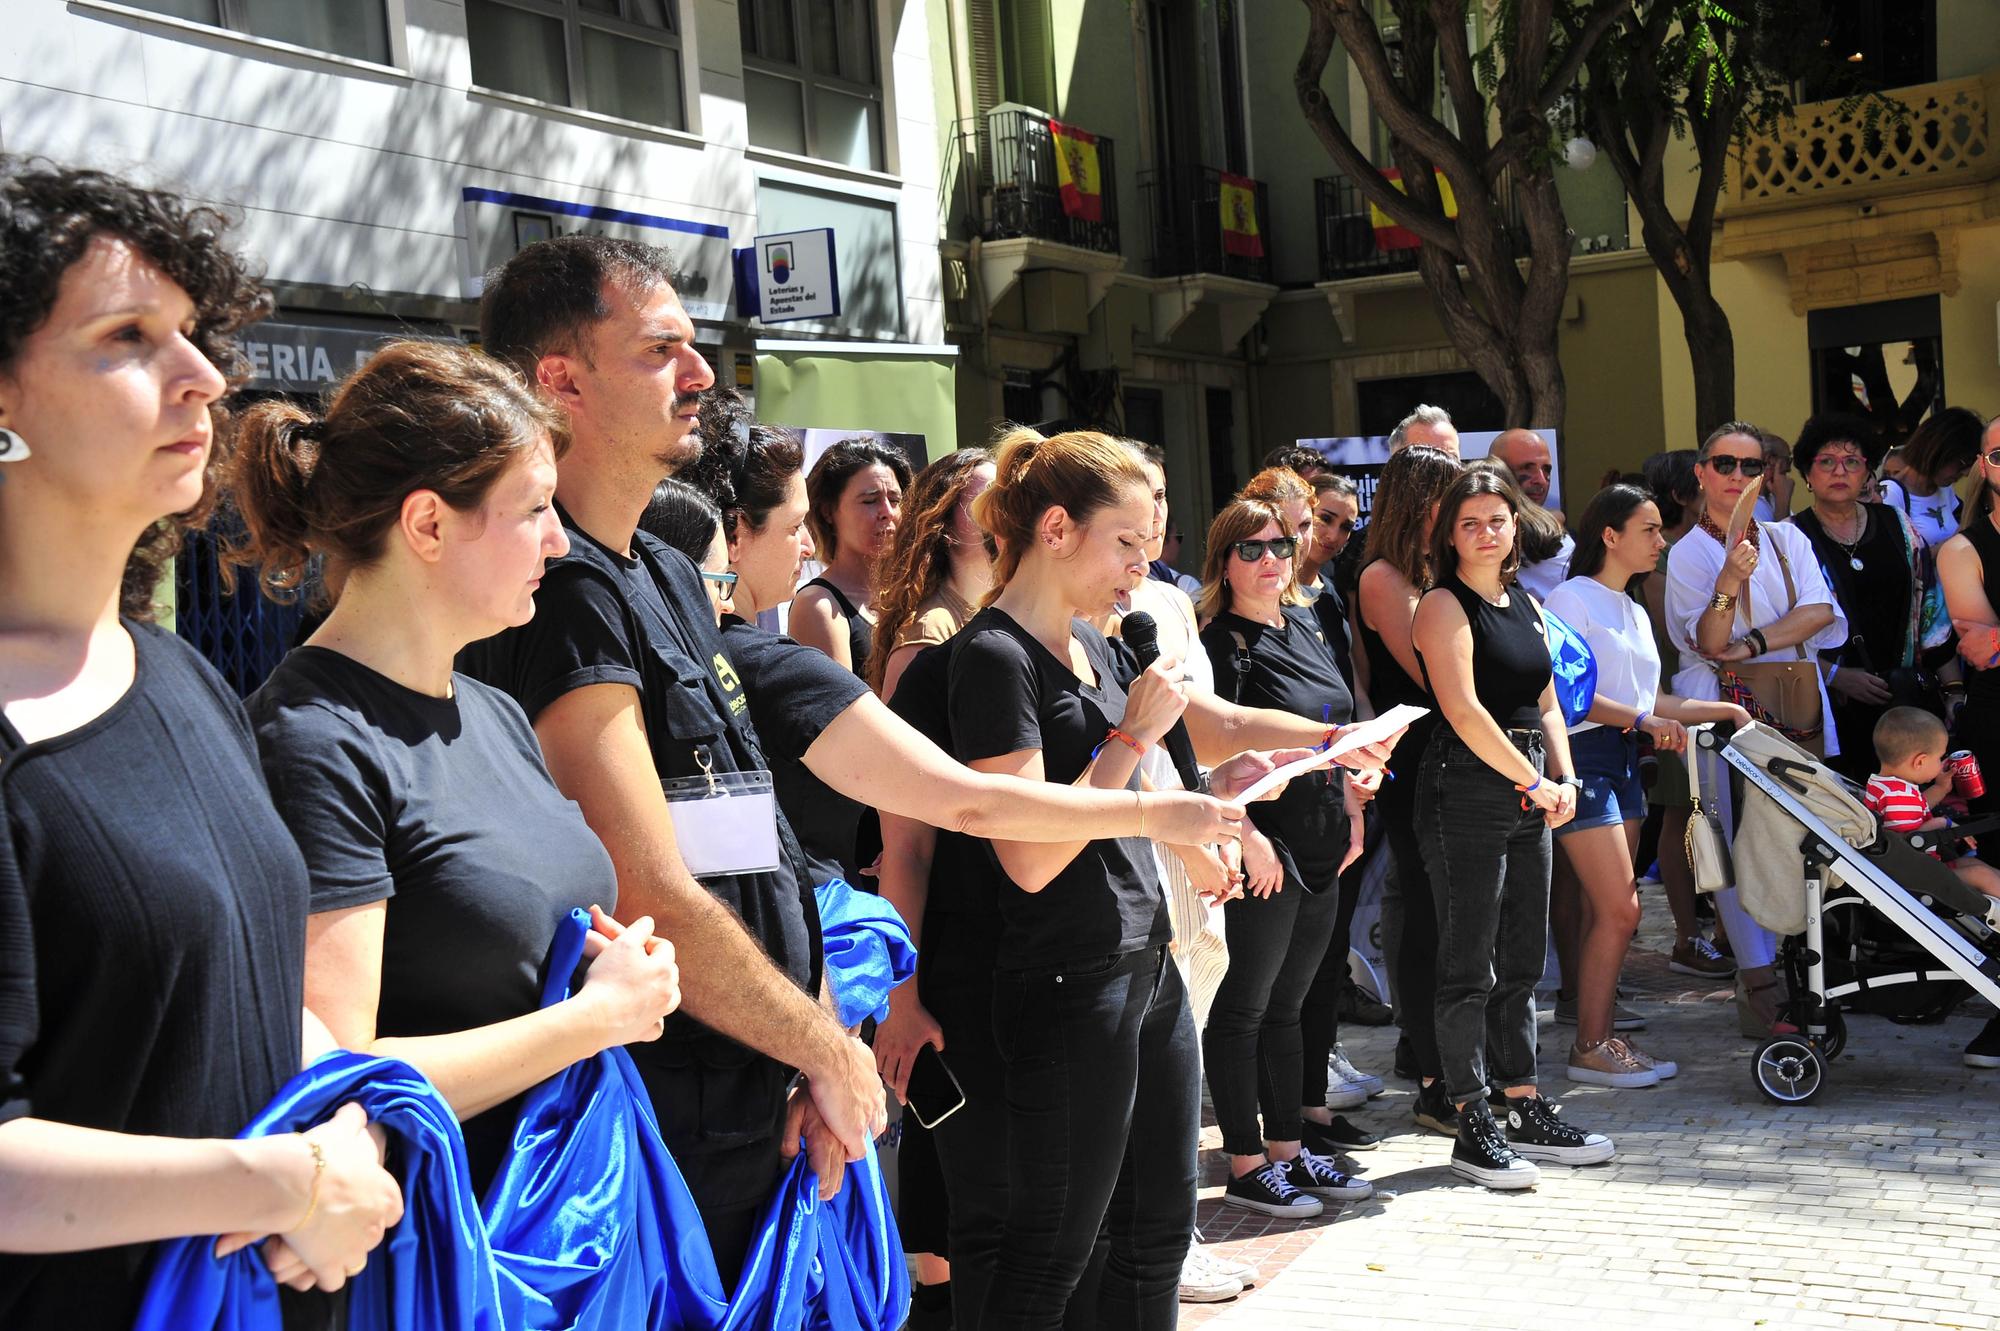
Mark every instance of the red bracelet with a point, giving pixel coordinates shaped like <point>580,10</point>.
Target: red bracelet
<point>1122,738</point>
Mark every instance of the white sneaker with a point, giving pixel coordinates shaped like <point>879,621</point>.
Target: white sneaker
<point>1204,1281</point>
<point>1246,1272</point>
<point>1338,1066</point>
<point>1342,1093</point>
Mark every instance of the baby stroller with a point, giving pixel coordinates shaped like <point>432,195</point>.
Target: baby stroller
<point>1807,846</point>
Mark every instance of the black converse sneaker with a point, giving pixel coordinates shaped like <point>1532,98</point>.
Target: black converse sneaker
<point>1482,1154</point>
<point>1984,1051</point>
<point>1535,1132</point>
<point>1268,1188</point>
<point>1434,1109</point>
<point>1317,1175</point>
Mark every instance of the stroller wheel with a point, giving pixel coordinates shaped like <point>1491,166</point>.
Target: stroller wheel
<point>1835,1038</point>
<point>1789,1070</point>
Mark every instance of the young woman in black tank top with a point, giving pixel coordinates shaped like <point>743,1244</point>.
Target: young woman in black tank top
<point>856,495</point>
<point>1969,567</point>
<point>1501,756</point>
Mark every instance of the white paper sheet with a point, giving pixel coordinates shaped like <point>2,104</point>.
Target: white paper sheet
<point>1355,737</point>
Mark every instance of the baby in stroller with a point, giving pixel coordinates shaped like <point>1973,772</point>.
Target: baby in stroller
<point>1910,744</point>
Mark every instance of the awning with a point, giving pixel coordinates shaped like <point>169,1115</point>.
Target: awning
<point>895,388</point>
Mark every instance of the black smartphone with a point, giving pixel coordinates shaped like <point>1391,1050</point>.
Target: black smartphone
<point>933,1094</point>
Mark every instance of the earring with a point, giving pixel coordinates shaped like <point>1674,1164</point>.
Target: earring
<point>12,446</point>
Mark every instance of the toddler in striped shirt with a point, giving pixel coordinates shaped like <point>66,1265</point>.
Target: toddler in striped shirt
<point>1910,745</point>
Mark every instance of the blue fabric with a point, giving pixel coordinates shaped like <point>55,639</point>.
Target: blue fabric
<point>588,1226</point>
<point>868,950</point>
<point>1574,666</point>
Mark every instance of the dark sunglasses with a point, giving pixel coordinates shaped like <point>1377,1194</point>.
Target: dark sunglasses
<point>1284,547</point>
<point>1726,465</point>
<point>725,582</point>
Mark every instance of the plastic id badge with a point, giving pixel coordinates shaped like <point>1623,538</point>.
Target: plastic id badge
<point>725,822</point>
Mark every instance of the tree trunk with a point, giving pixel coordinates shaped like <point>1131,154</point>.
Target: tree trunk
<point>1712,352</point>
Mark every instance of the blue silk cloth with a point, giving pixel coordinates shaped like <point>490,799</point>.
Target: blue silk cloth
<point>1574,666</point>
<point>868,950</point>
<point>589,1225</point>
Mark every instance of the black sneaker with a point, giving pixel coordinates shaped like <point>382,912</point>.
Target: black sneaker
<point>1338,1136</point>
<point>1406,1062</point>
<point>1984,1051</point>
<point>1362,1008</point>
<point>1317,1175</point>
<point>1434,1109</point>
<point>1536,1132</point>
<point>1483,1154</point>
<point>1267,1188</point>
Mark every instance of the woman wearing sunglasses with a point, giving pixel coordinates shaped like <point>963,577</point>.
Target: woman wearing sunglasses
<point>1270,651</point>
<point>1748,623</point>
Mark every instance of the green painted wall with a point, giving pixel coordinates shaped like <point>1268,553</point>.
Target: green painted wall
<point>1284,151</point>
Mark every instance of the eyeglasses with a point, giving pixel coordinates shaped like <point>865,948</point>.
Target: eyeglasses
<point>1992,459</point>
<point>1841,462</point>
<point>1726,465</point>
<point>724,583</point>
<point>1283,547</point>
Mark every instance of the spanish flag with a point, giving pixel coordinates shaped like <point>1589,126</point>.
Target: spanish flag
<point>1389,236</point>
<point>1077,178</point>
<point>1240,233</point>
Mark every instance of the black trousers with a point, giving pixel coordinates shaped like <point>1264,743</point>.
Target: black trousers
<point>955,982</point>
<point>1413,951</point>
<point>732,1189</point>
<point>1102,1115</point>
<point>1319,1017</point>
<point>1250,1047</point>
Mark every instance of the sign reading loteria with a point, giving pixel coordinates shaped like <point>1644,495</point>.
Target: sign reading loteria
<point>789,276</point>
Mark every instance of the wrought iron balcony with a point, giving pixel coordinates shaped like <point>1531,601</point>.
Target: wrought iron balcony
<point>1350,244</point>
<point>1024,186</point>
<point>1186,206</point>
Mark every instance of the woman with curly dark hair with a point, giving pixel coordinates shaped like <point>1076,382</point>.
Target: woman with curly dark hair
<point>152,903</point>
<point>855,491</point>
<point>938,567</point>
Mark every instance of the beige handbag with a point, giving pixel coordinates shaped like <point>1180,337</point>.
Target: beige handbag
<point>1707,844</point>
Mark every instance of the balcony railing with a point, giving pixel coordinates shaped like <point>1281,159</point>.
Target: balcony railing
<point>1349,243</point>
<point>1945,136</point>
<point>1186,207</point>
<point>1025,196</point>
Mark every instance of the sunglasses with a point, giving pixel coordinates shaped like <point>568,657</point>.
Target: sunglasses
<point>725,583</point>
<point>1283,547</point>
<point>1726,465</point>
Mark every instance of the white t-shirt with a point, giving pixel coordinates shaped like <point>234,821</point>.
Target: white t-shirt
<point>1621,638</point>
<point>1692,565</point>
<point>1544,576</point>
<point>1935,517</point>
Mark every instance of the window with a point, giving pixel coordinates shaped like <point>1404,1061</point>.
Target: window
<point>355,28</point>
<point>616,57</point>
<point>810,78</point>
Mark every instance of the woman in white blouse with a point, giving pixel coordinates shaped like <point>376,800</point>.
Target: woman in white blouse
<point>1618,541</point>
<point>1726,608</point>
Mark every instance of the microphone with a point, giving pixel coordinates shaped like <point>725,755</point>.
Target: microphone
<point>1142,635</point>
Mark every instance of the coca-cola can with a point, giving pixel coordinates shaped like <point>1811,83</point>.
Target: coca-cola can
<point>1965,777</point>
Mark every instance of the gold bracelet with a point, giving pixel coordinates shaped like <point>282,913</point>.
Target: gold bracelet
<point>1140,799</point>
<point>1722,601</point>
<point>319,1168</point>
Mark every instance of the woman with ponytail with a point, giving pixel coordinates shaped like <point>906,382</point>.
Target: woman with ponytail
<point>152,902</point>
<point>1096,1043</point>
<point>442,857</point>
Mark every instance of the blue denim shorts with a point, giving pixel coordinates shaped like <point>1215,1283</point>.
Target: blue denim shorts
<point>1607,760</point>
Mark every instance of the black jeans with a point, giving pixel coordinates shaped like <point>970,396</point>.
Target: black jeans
<point>1319,1016</point>
<point>1489,870</point>
<point>1409,912</point>
<point>1102,1109</point>
<point>1250,1047</point>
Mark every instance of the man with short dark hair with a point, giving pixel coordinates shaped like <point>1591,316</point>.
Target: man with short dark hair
<point>623,674</point>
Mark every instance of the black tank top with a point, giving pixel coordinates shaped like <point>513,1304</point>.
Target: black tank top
<point>1983,686</point>
<point>1390,685</point>
<point>1510,657</point>
<point>860,633</point>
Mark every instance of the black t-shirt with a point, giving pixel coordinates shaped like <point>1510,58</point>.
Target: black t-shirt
<point>1291,669</point>
<point>443,808</point>
<point>166,904</point>
<point>1330,610</point>
<point>964,889</point>
<point>645,621</point>
<point>795,692</point>
<point>1009,693</point>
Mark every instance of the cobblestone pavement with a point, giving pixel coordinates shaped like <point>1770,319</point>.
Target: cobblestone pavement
<point>1870,1207</point>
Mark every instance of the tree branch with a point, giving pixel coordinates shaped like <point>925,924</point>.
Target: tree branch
<point>1582,41</point>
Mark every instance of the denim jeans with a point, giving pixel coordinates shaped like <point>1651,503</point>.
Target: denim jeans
<point>1488,861</point>
<point>1250,1047</point>
<point>1102,1109</point>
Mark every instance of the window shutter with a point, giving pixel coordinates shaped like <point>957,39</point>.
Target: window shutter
<point>1031,62</point>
